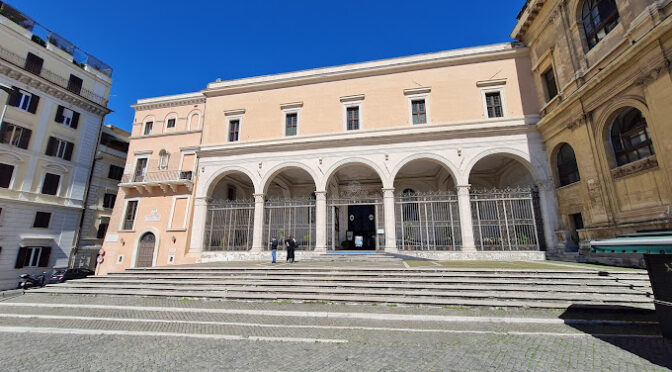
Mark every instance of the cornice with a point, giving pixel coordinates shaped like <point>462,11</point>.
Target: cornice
<point>43,85</point>
<point>431,132</point>
<point>372,68</point>
<point>168,103</point>
<point>526,18</point>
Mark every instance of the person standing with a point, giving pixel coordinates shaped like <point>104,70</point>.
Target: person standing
<point>291,246</point>
<point>274,249</point>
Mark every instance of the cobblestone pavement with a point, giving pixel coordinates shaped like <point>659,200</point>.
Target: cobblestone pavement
<point>107,333</point>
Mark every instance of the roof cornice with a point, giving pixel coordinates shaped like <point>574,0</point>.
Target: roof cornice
<point>372,68</point>
<point>169,101</point>
<point>526,18</point>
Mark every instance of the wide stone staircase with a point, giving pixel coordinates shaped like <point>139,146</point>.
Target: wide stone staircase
<point>324,282</point>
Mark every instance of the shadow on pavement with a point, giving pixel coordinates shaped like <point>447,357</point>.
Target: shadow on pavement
<point>646,342</point>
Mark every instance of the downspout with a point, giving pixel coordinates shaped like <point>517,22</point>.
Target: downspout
<point>78,232</point>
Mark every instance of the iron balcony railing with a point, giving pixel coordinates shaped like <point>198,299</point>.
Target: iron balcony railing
<point>19,61</point>
<point>42,35</point>
<point>164,176</point>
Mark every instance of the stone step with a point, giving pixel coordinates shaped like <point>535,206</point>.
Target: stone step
<point>620,289</point>
<point>451,292</point>
<point>394,299</point>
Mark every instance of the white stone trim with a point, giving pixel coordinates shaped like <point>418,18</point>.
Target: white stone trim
<point>491,83</point>
<point>494,89</point>
<point>229,119</point>
<point>237,112</point>
<point>424,95</point>
<point>144,124</point>
<point>123,215</point>
<point>188,152</point>
<point>172,211</point>
<point>139,236</point>
<point>291,109</point>
<point>172,115</point>
<point>353,103</point>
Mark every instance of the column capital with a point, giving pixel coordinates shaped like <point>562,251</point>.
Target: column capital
<point>320,193</point>
<point>388,192</point>
<point>259,198</point>
<point>463,189</point>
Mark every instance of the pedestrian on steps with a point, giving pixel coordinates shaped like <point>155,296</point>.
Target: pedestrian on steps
<point>291,246</point>
<point>274,249</point>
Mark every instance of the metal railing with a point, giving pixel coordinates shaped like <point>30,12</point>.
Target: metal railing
<point>158,176</point>
<point>290,217</point>
<point>229,225</point>
<point>504,219</point>
<point>428,221</point>
<point>42,35</point>
<point>53,77</point>
<point>337,219</point>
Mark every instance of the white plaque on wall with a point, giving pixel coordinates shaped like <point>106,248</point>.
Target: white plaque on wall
<point>154,216</point>
<point>111,238</point>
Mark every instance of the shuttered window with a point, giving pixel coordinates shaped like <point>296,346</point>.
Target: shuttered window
<point>51,183</point>
<point>60,148</point>
<point>32,257</point>
<point>67,117</point>
<point>24,100</point>
<point>75,84</point>
<point>15,135</point>
<point>34,64</point>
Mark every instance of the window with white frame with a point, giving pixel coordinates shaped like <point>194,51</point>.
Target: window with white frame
<point>419,111</point>
<point>418,105</point>
<point>15,135</point>
<point>170,124</point>
<point>140,170</point>
<point>6,175</point>
<point>67,117</point>
<point>60,148</point>
<point>164,157</point>
<point>128,222</point>
<point>234,130</point>
<point>23,100</point>
<point>352,117</point>
<point>149,126</point>
<point>50,184</point>
<point>32,257</point>
<point>494,104</point>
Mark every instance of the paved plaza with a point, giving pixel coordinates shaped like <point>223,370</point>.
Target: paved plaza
<point>113,333</point>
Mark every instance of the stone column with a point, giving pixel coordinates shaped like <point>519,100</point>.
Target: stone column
<point>198,225</point>
<point>390,223</point>
<point>466,224</point>
<point>258,231</point>
<point>549,214</point>
<point>320,221</point>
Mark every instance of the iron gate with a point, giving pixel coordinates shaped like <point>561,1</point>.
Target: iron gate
<point>338,206</point>
<point>504,220</point>
<point>290,217</point>
<point>229,225</point>
<point>427,221</point>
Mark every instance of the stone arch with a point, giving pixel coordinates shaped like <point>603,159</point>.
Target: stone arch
<point>170,115</point>
<point>536,169</point>
<point>447,164</point>
<point>190,120</point>
<point>157,236</point>
<point>213,180</point>
<point>604,121</point>
<point>554,162</point>
<point>353,161</point>
<point>270,175</point>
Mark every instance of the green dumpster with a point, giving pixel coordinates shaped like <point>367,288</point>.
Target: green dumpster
<point>656,246</point>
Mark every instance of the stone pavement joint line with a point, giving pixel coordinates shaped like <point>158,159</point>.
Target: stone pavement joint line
<point>79,331</point>
<point>358,328</point>
<point>323,314</point>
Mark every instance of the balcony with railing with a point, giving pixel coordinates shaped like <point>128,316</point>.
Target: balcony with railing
<point>51,40</point>
<point>146,181</point>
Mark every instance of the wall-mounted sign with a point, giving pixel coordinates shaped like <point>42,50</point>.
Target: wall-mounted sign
<point>154,216</point>
<point>359,241</point>
<point>111,238</point>
<point>381,231</point>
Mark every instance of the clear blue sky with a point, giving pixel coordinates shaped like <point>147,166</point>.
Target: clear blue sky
<point>169,47</point>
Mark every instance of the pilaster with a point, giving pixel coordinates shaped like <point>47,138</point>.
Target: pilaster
<point>466,223</point>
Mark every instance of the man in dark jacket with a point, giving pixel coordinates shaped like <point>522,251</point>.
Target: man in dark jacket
<point>274,249</point>
<point>291,246</point>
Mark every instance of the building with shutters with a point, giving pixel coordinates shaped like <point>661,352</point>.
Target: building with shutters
<point>55,99</point>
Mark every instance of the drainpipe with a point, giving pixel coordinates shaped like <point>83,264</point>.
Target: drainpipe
<point>78,232</point>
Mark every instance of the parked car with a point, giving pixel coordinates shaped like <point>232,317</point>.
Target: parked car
<point>61,275</point>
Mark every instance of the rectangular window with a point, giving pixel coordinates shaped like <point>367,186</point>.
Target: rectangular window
<point>23,100</point>
<point>67,117</point>
<point>170,124</point>
<point>15,135</point>
<point>549,82</point>
<point>32,257</point>
<point>34,64</point>
<point>42,220</point>
<point>234,129</point>
<point>115,173</point>
<point>493,102</point>
<point>352,114</point>
<point>51,183</point>
<point>129,217</point>
<point>102,230</point>
<point>148,128</point>
<point>109,200</point>
<point>6,172</point>
<point>59,148</point>
<point>75,84</point>
<point>419,111</point>
<point>140,170</point>
<point>291,124</point>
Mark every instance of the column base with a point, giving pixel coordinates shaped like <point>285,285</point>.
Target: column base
<point>256,250</point>
<point>469,249</point>
<point>392,249</point>
<point>322,249</point>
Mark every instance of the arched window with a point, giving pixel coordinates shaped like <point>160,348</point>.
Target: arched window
<point>630,137</point>
<point>163,159</point>
<point>568,170</point>
<point>599,18</point>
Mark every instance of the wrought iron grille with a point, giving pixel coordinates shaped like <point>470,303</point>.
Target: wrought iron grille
<point>290,217</point>
<point>427,221</point>
<point>337,227</point>
<point>229,225</point>
<point>504,219</point>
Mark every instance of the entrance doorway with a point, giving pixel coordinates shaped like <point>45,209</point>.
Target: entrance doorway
<point>146,250</point>
<point>362,227</point>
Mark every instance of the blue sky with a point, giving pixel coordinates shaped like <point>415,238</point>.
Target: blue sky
<point>169,47</point>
